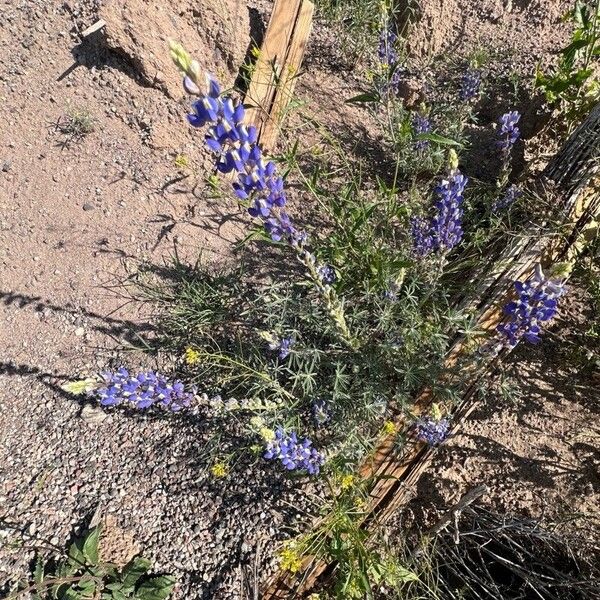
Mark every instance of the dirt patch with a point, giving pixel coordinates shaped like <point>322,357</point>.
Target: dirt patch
<point>537,448</point>
<point>216,33</point>
<point>525,30</point>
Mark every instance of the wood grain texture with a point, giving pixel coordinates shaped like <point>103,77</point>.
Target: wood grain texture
<point>277,67</point>
<point>572,177</point>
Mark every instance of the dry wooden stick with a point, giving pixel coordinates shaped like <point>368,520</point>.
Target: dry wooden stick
<point>573,175</point>
<point>274,76</point>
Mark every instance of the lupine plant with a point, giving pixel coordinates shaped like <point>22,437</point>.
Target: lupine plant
<point>316,360</point>
<point>536,303</point>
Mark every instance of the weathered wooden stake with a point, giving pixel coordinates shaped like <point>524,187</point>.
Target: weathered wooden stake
<point>573,179</point>
<point>274,76</point>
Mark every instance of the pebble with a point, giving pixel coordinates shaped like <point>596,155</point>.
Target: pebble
<point>88,206</point>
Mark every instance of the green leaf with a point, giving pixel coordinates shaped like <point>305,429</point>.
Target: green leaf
<point>134,570</point>
<point>362,98</point>
<point>76,555</point>
<point>438,139</point>
<point>90,545</point>
<point>38,573</point>
<point>80,387</point>
<point>156,588</point>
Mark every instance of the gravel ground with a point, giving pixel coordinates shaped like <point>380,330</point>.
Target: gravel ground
<point>58,466</point>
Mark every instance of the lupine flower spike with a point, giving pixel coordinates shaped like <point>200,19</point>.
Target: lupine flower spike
<point>508,198</point>
<point>294,455</point>
<point>421,125</point>
<point>283,346</point>
<point>536,304</point>
<point>470,85</point>
<point>508,131</point>
<point>388,59</point>
<point>321,412</point>
<point>142,390</point>
<point>257,183</point>
<point>444,230</point>
<point>431,430</point>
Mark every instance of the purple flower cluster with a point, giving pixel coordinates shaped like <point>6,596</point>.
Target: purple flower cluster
<point>470,85</point>
<point>432,431</point>
<point>326,274</point>
<point>536,303</point>
<point>294,454</point>
<point>387,46</point>
<point>421,124</point>
<point>388,58</point>
<point>508,131</point>
<point>510,195</point>
<point>444,230</point>
<point>142,390</point>
<point>421,236</point>
<point>284,346</point>
<point>237,151</point>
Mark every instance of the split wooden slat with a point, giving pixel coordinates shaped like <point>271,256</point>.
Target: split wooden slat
<point>573,178</point>
<point>277,67</point>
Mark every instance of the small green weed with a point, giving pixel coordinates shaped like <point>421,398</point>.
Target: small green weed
<point>76,125</point>
<point>573,86</point>
<point>82,575</point>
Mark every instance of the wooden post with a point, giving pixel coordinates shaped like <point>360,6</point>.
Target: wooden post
<point>573,178</point>
<point>274,77</point>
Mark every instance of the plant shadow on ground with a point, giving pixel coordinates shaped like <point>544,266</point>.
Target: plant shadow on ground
<point>121,330</point>
<point>544,376</point>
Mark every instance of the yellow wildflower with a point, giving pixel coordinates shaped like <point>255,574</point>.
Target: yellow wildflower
<point>290,559</point>
<point>346,482</point>
<point>389,428</point>
<point>267,434</point>
<point>182,161</point>
<point>191,356</point>
<point>219,469</point>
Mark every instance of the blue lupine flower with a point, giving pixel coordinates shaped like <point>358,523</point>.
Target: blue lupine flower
<point>536,303</point>
<point>444,230</point>
<point>470,85</point>
<point>143,390</point>
<point>421,124</point>
<point>446,225</point>
<point>388,58</point>
<point>327,274</point>
<point>431,431</point>
<point>508,132</point>
<point>237,150</point>
<point>421,236</point>
<point>321,412</point>
<point>510,195</point>
<point>294,455</point>
<point>283,346</point>
<point>387,46</point>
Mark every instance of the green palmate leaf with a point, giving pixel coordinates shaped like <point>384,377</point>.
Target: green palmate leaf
<point>80,387</point>
<point>72,594</point>
<point>90,545</point>
<point>438,139</point>
<point>134,570</point>
<point>156,588</point>
<point>76,555</point>
<point>366,97</point>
